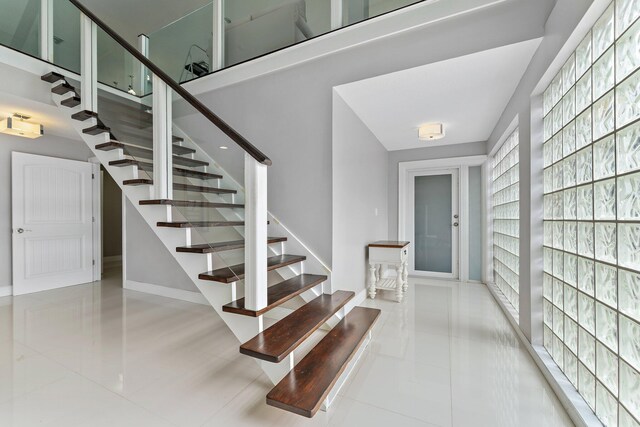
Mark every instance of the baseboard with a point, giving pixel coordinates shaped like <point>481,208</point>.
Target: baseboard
<point>571,400</point>
<point>6,291</point>
<point>163,291</point>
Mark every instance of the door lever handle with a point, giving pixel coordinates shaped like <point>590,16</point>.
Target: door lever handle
<point>22,230</point>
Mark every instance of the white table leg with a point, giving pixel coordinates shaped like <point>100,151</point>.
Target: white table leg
<point>399,282</point>
<point>405,276</point>
<point>372,281</point>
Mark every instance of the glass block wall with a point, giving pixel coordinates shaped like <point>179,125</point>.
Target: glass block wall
<point>506,219</point>
<point>592,216</point>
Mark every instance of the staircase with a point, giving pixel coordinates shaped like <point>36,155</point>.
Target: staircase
<point>273,300</point>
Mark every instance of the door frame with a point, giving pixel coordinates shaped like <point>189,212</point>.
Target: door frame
<point>406,172</point>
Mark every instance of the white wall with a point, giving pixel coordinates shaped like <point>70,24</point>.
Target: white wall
<point>359,195</point>
<point>47,145</point>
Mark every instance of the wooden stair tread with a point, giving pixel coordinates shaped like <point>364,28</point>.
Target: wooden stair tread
<point>96,130</point>
<point>52,77</point>
<point>138,151</point>
<point>84,115</point>
<point>202,189</point>
<point>74,101</point>
<point>176,171</point>
<point>236,272</point>
<point>278,294</point>
<point>276,342</point>
<point>63,88</point>
<point>304,389</point>
<point>222,246</point>
<point>190,203</point>
<point>200,224</point>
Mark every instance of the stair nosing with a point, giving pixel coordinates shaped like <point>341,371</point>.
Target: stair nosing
<point>191,203</point>
<point>193,224</point>
<point>280,357</point>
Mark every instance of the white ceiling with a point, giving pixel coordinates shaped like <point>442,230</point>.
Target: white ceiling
<point>467,94</point>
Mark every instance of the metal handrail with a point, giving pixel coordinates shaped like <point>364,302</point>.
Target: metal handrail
<point>195,103</point>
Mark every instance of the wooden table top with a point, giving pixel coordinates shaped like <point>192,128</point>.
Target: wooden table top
<point>388,244</point>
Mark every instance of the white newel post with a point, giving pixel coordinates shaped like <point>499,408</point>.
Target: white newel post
<point>255,255</point>
<point>46,30</point>
<point>217,49</point>
<point>89,64</point>
<point>162,140</point>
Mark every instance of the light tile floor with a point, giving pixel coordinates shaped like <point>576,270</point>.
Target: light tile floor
<point>95,355</point>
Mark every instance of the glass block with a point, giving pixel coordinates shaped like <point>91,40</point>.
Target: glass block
<point>603,33</point>
<point>547,287</point>
<point>558,175</point>
<point>558,352</point>
<point>587,385</point>
<point>569,106</point>
<point>603,117</point>
<point>585,202</point>
<point>585,239</point>
<point>558,294</point>
<point>571,302</point>
<point>570,203</point>
<point>604,154</point>
<point>557,148</point>
<point>569,139</point>
<point>547,103</point>
<point>548,180</point>
<point>547,313</point>
<point>556,89</point>
<point>548,233</point>
<point>629,197</point>
<point>571,367</point>
<point>607,368</point>
<point>586,313</point>
<point>569,73</point>
<point>630,341</point>
<point>558,265</point>
<point>627,56</point>
<point>558,234</point>
<point>548,153</point>
<point>558,322</point>
<point>629,246</point>
<point>606,406</point>
<point>587,350</point>
<point>584,166</point>
<point>571,334</point>
<point>607,284</point>
<point>627,11</point>
<point>557,118</point>
<point>571,270</point>
<point>547,338</point>
<point>583,92</point>
<point>626,419</point>
<point>548,260</point>
<point>548,206</point>
<point>583,129</point>
<point>630,389</point>
<point>586,276</point>
<point>583,56</point>
<point>604,201</point>
<point>558,203</point>
<point>628,100</point>
<point>603,74</point>
<point>607,326</point>
<point>570,238</point>
<point>628,147</point>
<point>548,127</point>
<point>629,293</point>
<point>605,242</point>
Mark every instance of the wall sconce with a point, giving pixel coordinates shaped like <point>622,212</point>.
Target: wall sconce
<point>19,126</point>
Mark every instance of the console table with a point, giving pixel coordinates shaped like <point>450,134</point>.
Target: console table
<point>387,252</point>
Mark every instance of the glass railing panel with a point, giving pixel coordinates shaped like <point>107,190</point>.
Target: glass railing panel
<point>20,25</point>
<point>66,35</point>
<point>183,49</point>
<point>359,10</point>
<point>119,69</point>
<point>257,27</point>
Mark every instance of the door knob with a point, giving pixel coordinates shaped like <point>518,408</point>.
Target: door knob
<point>21,230</point>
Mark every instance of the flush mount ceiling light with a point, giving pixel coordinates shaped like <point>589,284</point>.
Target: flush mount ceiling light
<point>431,132</point>
<point>19,126</point>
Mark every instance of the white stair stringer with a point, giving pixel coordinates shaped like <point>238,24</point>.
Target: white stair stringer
<point>217,294</point>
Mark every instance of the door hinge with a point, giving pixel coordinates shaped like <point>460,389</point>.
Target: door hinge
<point>93,219</point>
<point>93,262</point>
<point>93,176</point>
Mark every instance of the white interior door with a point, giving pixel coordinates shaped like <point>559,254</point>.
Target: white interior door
<point>52,223</point>
<point>433,223</point>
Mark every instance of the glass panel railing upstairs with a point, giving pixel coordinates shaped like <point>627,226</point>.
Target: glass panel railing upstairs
<point>66,35</point>
<point>20,25</point>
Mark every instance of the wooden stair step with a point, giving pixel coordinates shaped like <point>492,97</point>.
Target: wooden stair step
<point>52,77</point>
<point>135,150</point>
<point>191,203</point>
<point>176,171</point>
<point>63,88</point>
<point>201,189</point>
<point>96,130</point>
<point>84,115</point>
<point>137,181</point>
<point>304,389</point>
<point>278,341</point>
<point>236,272</point>
<point>200,224</point>
<point>278,294</point>
<point>74,101</point>
<point>207,248</point>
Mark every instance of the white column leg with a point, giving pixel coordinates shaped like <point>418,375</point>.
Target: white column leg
<point>399,282</point>
<point>405,275</point>
<point>372,280</point>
